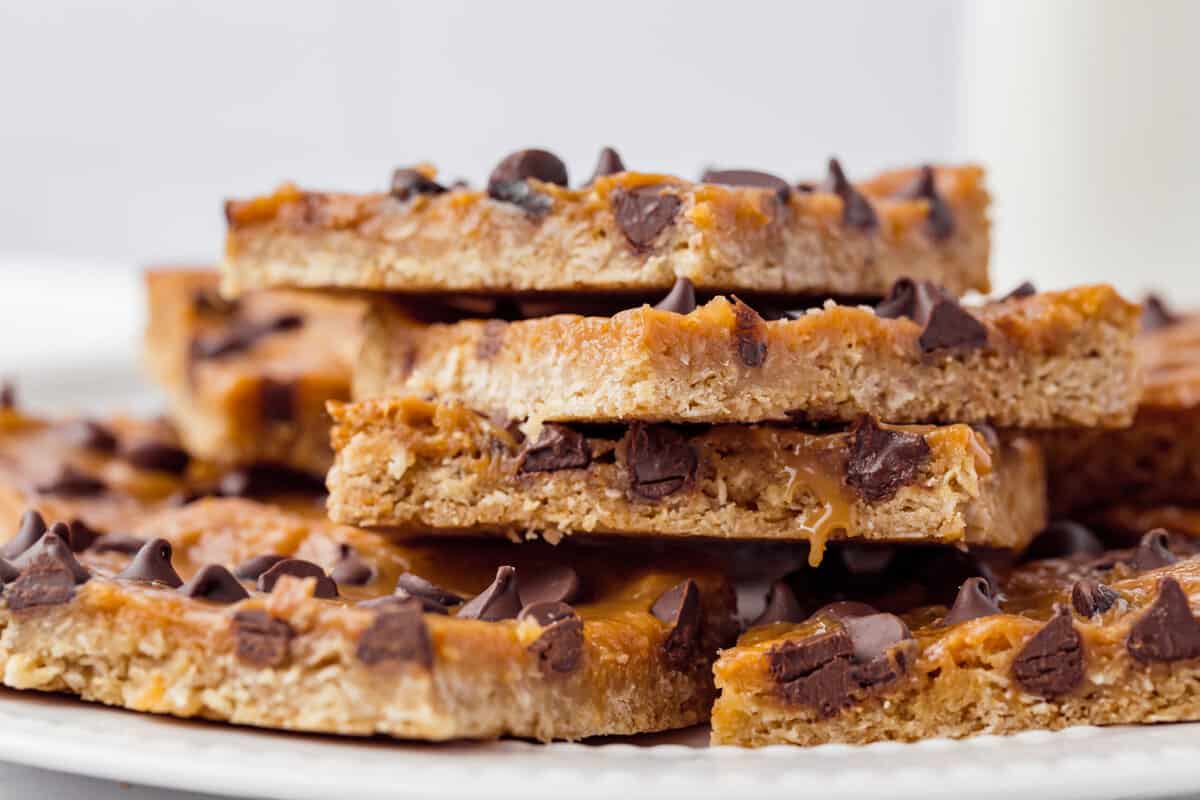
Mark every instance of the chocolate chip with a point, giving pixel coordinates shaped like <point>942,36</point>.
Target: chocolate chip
<point>554,584</point>
<point>263,480</point>
<point>31,528</point>
<point>679,607</point>
<point>90,435</point>
<point>500,600</point>
<point>409,182</point>
<point>950,326</point>
<point>643,213</point>
<point>1063,539</point>
<point>856,209</point>
<point>975,599</point>
<point>209,302</point>
<point>351,569</point>
<point>253,568</point>
<point>8,395</point>
<point>433,597</point>
<point>298,568</point>
<point>659,460</point>
<point>559,648</point>
<point>845,609</point>
<point>1156,314</point>
<point>1154,550</point>
<point>242,336</point>
<point>924,187</point>
<point>508,181</point>
<point>1091,597</point>
<point>681,299</point>
<point>72,482</point>
<point>781,606</point>
<point>749,177</point>
<point>216,584</point>
<point>152,564</point>
<point>45,581</point>
<point>8,573</point>
<point>556,448</point>
<point>277,400</point>
<point>912,299</point>
<point>1051,663</point>
<point>159,457</point>
<point>81,536</point>
<point>397,634</point>
<point>874,635</point>
<point>260,639</point>
<point>749,334</point>
<point>609,163</point>
<point>1024,289</point>
<point>53,546</point>
<point>117,543</point>
<point>1167,631</point>
<point>880,461</point>
<point>491,339</point>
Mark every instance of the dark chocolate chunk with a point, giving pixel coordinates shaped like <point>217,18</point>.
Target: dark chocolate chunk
<point>554,584</point>
<point>880,461</point>
<point>609,163</point>
<point>659,460</point>
<point>749,334</point>
<point>44,581</point>
<point>975,599</point>
<point>782,606</point>
<point>912,299</point>
<point>298,568</point>
<point>1051,663</point>
<point>152,564</point>
<point>1167,631</point>
<point>1063,539</point>
<point>679,607</point>
<point>397,634</point>
<point>428,593</point>
<point>559,648</point>
<point>277,400</point>
<point>500,600</point>
<point>856,209</point>
<point>252,568</point>
<point>159,457</point>
<point>643,213</point>
<point>508,182</point>
<point>31,528</point>
<point>815,671</point>
<point>409,182</point>
<point>1154,550</point>
<point>118,543</point>
<point>263,480</point>
<point>1156,314</point>
<point>681,299</point>
<point>216,584</point>
<point>940,222</point>
<point>90,435</point>
<point>8,395</point>
<point>950,326</point>
<point>556,448</point>
<point>72,482</point>
<point>1091,597</point>
<point>491,339</point>
<point>260,639</point>
<point>209,302</point>
<point>351,569</point>
<point>1023,289</point>
<point>8,573</point>
<point>241,336</point>
<point>749,177</point>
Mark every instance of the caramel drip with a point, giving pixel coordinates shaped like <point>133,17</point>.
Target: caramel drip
<point>811,471</point>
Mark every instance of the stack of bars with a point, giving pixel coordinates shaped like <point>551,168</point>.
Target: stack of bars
<point>615,459</point>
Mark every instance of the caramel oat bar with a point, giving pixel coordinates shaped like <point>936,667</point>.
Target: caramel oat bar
<point>410,465</point>
<point>1029,361</point>
<point>1078,639</point>
<point>238,611</point>
<point>623,231</point>
<point>248,379</point>
<point>1157,460</point>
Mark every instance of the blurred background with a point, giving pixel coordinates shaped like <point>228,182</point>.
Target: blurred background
<point>124,125</point>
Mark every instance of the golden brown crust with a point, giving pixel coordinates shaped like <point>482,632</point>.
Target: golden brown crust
<point>722,238</point>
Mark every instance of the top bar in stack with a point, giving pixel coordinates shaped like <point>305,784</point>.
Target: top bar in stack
<point>622,231</point>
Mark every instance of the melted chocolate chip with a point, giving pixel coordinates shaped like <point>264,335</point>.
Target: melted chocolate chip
<point>298,568</point>
<point>556,448</point>
<point>880,461</point>
<point>782,606</point>
<point>397,634</point>
<point>159,457</point>
<point>681,299</point>
<point>1167,631</point>
<point>152,564</point>
<point>1156,314</point>
<point>559,648</point>
<point>90,435</point>
<point>72,482</point>
<point>31,528</point>
<point>949,327</point>
<point>8,573</point>
<point>679,607</point>
<point>975,599</point>
<point>1063,539</point>
<point>407,183</point>
<point>856,209</point>
<point>845,609</point>
<point>874,635</point>
<point>609,163</point>
<point>1090,597</point>
<point>491,339</point>
<point>241,336</point>
<point>508,182</point>
<point>749,177</point>
<point>432,596</point>
<point>659,460</point>
<point>1051,663</point>
<point>554,584</point>
<point>216,584</point>
<point>260,639</point>
<point>1154,551</point>
<point>118,543</point>
<point>643,213</point>
<point>253,568</point>
<point>1024,289</point>
<point>912,299</point>
<point>500,600</point>
<point>940,222</point>
<point>53,546</point>
<point>351,569</point>
<point>277,400</point>
<point>749,334</point>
